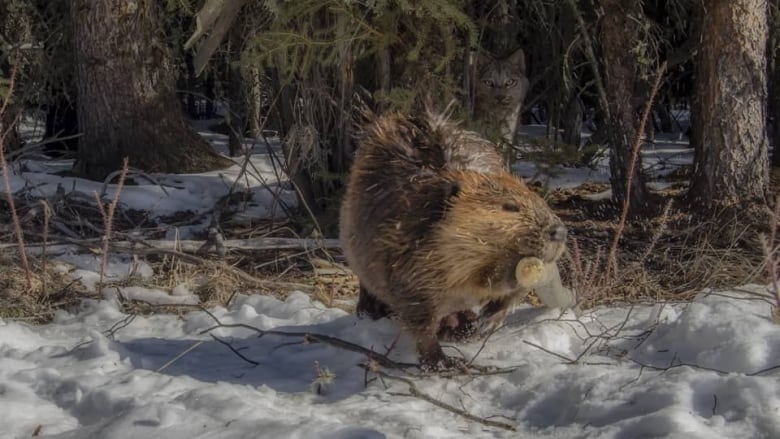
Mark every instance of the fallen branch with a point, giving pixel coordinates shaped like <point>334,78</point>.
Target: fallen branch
<point>234,350</point>
<point>257,244</point>
<point>417,393</point>
<point>307,337</point>
<point>374,357</point>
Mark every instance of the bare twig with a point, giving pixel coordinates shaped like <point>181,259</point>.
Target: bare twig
<point>7,183</point>
<point>612,259</point>
<point>307,337</point>
<point>772,258</point>
<point>46,218</point>
<point>555,354</point>
<point>590,53</point>
<point>108,219</point>
<point>125,322</point>
<point>415,392</point>
<point>182,354</point>
<point>234,350</point>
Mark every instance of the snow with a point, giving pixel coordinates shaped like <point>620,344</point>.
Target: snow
<point>162,195</point>
<point>705,369</point>
<point>663,370</point>
<point>666,154</point>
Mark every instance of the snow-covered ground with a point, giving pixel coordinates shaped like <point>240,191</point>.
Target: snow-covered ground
<point>161,195</point>
<point>707,369</point>
<point>699,370</point>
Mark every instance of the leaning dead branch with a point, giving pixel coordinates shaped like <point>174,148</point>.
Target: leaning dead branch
<point>612,259</point>
<point>192,259</point>
<point>192,246</point>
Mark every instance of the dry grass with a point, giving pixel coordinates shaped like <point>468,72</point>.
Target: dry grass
<point>664,258</point>
<point>50,290</point>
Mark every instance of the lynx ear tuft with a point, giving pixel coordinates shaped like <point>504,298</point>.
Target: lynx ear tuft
<point>518,59</point>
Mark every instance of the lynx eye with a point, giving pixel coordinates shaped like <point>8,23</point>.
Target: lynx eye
<point>488,82</point>
<point>510,82</point>
<point>509,207</point>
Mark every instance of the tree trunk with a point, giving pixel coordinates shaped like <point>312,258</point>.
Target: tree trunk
<point>126,101</point>
<point>9,136</point>
<point>730,149</point>
<point>572,121</point>
<point>299,175</point>
<point>774,109</point>
<point>773,58</point>
<point>618,38</point>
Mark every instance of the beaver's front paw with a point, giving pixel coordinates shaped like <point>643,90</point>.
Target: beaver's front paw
<point>458,326</point>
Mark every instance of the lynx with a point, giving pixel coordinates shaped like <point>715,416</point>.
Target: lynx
<point>501,86</point>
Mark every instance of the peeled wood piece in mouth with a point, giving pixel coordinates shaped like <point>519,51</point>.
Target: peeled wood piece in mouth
<point>529,272</point>
<point>545,280</point>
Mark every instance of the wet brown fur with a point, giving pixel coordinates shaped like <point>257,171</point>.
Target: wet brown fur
<point>433,225</point>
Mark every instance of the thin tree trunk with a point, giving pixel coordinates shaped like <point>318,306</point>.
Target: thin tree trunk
<point>299,175</point>
<point>573,111</point>
<point>15,30</point>
<point>572,121</point>
<point>11,141</point>
<point>238,105</point>
<point>126,101</point>
<point>619,35</point>
<point>730,150</point>
<point>342,156</point>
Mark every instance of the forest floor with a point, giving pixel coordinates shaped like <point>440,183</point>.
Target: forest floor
<point>662,256</point>
<point>164,340</point>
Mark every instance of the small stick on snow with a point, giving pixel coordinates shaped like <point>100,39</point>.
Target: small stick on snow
<point>561,356</point>
<point>417,393</point>
<point>183,353</point>
<point>234,350</point>
<point>307,337</point>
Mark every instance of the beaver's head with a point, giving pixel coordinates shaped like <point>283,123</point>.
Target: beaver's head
<point>491,222</point>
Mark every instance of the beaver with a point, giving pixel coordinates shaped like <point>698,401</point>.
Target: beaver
<point>434,226</point>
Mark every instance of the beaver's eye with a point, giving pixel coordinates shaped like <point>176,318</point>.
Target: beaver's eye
<point>509,207</point>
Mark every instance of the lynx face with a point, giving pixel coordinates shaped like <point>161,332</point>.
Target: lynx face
<point>499,92</point>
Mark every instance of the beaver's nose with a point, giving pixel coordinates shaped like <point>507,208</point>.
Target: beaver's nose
<point>558,233</point>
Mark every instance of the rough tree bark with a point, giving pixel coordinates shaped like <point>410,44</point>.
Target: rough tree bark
<point>126,101</point>
<point>618,37</point>
<point>773,58</point>
<point>730,149</point>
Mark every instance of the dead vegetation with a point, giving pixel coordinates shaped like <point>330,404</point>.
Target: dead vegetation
<point>665,257</point>
<point>611,259</point>
<point>662,258</point>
